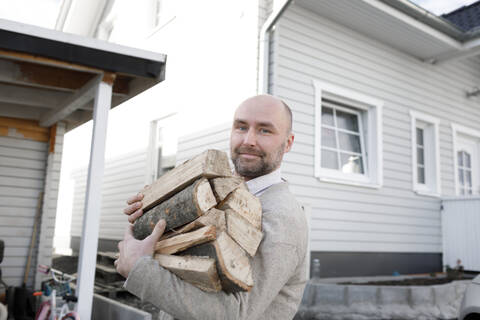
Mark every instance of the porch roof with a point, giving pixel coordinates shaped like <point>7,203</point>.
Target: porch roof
<point>48,76</point>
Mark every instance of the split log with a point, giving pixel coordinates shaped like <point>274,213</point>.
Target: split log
<point>212,217</point>
<point>182,208</point>
<point>209,164</point>
<point>223,186</point>
<point>246,204</point>
<point>184,241</point>
<point>245,234</point>
<point>199,271</point>
<point>233,264</point>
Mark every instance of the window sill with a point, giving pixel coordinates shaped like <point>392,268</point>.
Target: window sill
<point>427,193</point>
<point>350,183</point>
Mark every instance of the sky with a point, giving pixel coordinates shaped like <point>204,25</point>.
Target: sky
<point>439,7</point>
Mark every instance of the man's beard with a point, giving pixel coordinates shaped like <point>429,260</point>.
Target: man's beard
<point>261,166</point>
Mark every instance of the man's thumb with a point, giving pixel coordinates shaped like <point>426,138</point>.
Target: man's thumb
<point>157,231</point>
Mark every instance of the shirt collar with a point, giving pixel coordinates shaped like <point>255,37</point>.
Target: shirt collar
<point>259,185</point>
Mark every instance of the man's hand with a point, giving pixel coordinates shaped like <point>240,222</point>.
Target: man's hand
<point>132,249</point>
<point>134,209</point>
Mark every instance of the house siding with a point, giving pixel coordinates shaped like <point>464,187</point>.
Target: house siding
<point>22,177</point>
<point>124,176</point>
<point>356,219</point>
<point>30,159</point>
<point>50,199</point>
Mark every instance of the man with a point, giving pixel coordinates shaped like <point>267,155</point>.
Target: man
<point>261,135</point>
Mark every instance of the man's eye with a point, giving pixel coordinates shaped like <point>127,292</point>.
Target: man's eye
<point>242,128</point>
<point>264,131</point>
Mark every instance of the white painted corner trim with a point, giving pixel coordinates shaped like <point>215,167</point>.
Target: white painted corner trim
<point>373,108</point>
<point>432,190</point>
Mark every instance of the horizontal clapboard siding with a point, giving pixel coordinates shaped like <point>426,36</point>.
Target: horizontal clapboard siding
<point>22,179</point>
<point>49,209</point>
<point>213,138</point>
<point>124,176</point>
<point>306,46</point>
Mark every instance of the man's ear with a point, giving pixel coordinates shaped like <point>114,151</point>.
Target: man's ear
<point>289,143</point>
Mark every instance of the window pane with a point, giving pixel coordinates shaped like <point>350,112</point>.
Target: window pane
<point>462,191</point>
<point>329,159</point>
<point>420,156</point>
<point>420,175</point>
<point>460,177</point>
<point>349,142</point>
<point>460,158</point>
<point>469,191</point>
<point>468,178</point>
<point>347,121</point>
<point>467,159</point>
<point>327,116</point>
<point>328,138</point>
<point>420,136</point>
<point>351,163</point>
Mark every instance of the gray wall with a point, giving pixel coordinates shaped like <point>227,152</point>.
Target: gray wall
<point>355,219</point>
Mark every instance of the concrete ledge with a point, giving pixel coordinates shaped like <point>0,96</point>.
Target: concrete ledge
<point>331,301</point>
<point>108,309</point>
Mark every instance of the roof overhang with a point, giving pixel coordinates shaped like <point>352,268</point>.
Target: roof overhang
<point>50,76</point>
<point>401,25</point>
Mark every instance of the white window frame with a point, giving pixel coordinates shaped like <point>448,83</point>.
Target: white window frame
<point>430,126</point>
<point>462,130</point>
<point>155,141</point>
<point>371,115</point>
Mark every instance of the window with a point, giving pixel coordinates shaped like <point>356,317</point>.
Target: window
<point>425,154</point>
<point>162,148</point>
<point>466,151</point>
<point>348,144</point>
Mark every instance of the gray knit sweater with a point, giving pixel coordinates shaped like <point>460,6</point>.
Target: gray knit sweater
<point>279,272</point>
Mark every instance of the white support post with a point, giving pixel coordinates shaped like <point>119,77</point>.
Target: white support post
<point>91,219</point>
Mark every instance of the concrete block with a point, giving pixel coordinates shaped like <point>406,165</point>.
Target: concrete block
<point>328,294</point>
<point>362,294</point>
<point>394,295</point>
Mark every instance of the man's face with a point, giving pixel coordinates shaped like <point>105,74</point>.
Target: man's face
<point>260,136</point>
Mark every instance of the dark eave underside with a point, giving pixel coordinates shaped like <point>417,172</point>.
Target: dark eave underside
<point>73,53</point>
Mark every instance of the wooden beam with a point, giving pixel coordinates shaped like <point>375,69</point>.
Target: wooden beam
<point>31,96</point>
<point>21,128</point>
<point>81,97</point>
<point>51,77</point>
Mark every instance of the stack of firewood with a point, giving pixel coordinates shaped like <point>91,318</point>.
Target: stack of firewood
<point>213,223</point>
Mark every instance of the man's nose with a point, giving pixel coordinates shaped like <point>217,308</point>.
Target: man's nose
<point>250,138</point>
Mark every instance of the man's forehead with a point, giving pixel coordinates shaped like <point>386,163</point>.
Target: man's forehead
<point>263,109</point>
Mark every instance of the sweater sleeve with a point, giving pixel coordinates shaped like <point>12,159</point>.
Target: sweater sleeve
<point>272,268</point>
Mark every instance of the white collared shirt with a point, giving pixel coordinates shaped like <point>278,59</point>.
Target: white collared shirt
<point>259,185</point>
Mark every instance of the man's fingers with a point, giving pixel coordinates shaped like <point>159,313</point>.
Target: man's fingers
<point>132,208</point>
<point>134,216</point>
<point>135,198</point>
<point>157,231</point>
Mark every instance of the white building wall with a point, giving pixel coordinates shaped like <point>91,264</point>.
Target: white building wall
<point>124,176</point>
<point>348,218</point>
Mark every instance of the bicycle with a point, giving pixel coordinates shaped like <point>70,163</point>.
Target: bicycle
<point>61,303</point>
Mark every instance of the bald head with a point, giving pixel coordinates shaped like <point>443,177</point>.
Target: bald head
<point>261,135</point>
